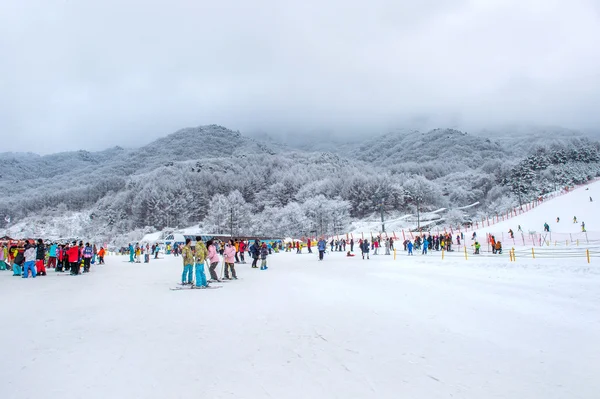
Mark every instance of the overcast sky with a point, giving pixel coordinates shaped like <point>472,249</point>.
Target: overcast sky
<point>98,73</point>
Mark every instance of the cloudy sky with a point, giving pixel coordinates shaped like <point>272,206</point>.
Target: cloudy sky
<point>97,73</point>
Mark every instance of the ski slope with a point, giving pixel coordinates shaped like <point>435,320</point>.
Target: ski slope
<point>575,203</point>
<point>415,327</point>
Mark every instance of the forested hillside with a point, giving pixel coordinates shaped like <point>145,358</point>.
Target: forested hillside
<point>221,179</point>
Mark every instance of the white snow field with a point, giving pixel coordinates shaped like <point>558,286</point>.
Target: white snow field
<point>415,327</point>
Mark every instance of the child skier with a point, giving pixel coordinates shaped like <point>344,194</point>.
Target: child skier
<point>264,251</point>
<point>409,246</point>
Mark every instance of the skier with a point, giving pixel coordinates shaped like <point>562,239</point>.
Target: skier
<point>321,246</point>
<point>264,252</point>
<point>242,251</point>
<point>477,247</point>
<point>574,219</point>
<point>309,245</point>
<point>131,253</point>
<point>583,227</point>
<point>255,251</point>
<point>213,259</point>
<point>73,256</point>
<point>101,254</point>
<point>40,257</point>
<point>365,249</point>
<point>52,256</point>
<point>410,247</point>
<point>425,246</point>
<point>87,257</point>
<point>188,260</point>
<point>511,233</point>
<point>474,235</point>
<point>200,254</point>
<point>30,259</point>
<point>557,219</point>
<point>18,260</point>
<point>229,255</point>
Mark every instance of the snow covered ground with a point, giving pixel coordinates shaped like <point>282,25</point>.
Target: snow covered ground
<point>416,327</point>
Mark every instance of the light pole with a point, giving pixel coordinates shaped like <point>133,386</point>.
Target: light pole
<point>381,210</point>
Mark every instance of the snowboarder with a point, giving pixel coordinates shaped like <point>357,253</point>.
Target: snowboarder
<point>591,199</point>
<point>188,260</point>
<point>519,228</point>
<point>264,252</point>
<point>546,227</point>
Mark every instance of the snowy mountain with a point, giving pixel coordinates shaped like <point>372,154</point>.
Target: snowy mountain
<point>223,180</point>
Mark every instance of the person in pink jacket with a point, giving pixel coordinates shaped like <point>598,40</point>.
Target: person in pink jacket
<point>229,255</point>
<point>213,259</point>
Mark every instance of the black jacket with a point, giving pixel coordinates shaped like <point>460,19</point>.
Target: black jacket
<point>40,252</point>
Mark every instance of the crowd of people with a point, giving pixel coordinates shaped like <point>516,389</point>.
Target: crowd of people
<point>197,255</point>
<point>29,258</point>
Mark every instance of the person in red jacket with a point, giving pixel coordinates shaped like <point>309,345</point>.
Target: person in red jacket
<point>243,249</point>
<point>73,256</point>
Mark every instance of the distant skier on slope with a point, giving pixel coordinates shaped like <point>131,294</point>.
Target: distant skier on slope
<point>574,219</point>
<point>591,199</point>
<point>557,220</point>
<point>511,233</point>
<point>583,227</point>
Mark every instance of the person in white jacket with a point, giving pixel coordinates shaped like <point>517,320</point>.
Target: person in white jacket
<point>229,255</point>
<point>29,261</point>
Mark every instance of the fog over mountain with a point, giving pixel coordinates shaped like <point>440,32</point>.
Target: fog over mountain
<point>95,74</point>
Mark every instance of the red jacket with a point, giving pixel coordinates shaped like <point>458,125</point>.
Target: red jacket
<point>73,254</point>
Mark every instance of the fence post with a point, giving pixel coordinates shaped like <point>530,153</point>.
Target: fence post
<point>588,255</point>
<point>394,253</point>
<point>532,253</point>
<point>510,255</point>
<point>466,257</point>
<point>578,242</point>
<point>442,253</point>
<point>514,256</point>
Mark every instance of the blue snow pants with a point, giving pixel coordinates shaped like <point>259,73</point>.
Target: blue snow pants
<point>16,270</point>
<point>200,275</point>
<point>131,257</point>
<point>29,266</point>
<point>187,269</point>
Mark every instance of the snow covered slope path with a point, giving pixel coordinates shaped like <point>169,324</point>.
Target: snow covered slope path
<point>342,328</point>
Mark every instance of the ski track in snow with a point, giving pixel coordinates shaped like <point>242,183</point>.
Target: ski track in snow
<point>344,328</point>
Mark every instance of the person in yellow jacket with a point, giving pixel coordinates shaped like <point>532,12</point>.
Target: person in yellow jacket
<point>188,260</point>
<point>200,254</point>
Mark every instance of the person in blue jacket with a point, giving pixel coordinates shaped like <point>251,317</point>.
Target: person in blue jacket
<point>365,248</point>
<point>321,245</point>
<point>425,246</point>
<point>410,246</point>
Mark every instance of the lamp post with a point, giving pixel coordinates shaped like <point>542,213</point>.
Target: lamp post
<point>381,210</point>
